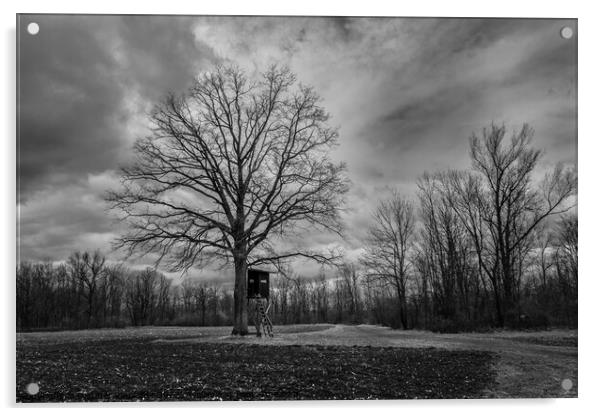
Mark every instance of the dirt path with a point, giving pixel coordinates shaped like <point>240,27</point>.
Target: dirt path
<point>524,368</point>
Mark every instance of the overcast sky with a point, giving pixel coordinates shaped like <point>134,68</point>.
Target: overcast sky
<point>405,94</point>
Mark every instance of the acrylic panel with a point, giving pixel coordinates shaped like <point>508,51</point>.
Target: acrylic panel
<point>295,208</point>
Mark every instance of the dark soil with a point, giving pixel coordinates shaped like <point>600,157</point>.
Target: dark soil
<point>140,370</point>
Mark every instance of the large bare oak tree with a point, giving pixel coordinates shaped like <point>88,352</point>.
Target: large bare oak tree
<point>230,164</point>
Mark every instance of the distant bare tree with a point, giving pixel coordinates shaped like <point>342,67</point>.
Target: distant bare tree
<point>200,297</point>
<point>502,207</point>
<point>387,256</point>
<point>351,278</point>
<point>444,251</point>
<point>231,163</point>
<point>566,265</point>
<point>142,295</point>
<point>112,290</point>
<point>88,270</point>
<point>566,242</point>
<point>187,295</point>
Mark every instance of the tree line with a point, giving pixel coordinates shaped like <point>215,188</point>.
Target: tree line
<point>86,292</point>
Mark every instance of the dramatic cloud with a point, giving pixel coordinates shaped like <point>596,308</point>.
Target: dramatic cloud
<point>405,93</point>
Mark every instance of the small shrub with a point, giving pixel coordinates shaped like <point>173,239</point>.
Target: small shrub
<point>525,321</point>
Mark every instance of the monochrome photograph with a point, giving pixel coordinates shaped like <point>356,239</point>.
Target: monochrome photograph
<point>295,208</point>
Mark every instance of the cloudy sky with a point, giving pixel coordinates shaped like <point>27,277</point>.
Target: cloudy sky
<point>405,94</point>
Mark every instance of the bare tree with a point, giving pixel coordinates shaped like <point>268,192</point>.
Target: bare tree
<point>501,207</point>
<point>143,289</point>
<point>231,164</point>
<point>387,255</point>
<point>443,255</point>
<point>112,289</point>
<point>87,269</point>
<point>200,297</point>
<point>566,265</point>
<point>350,277</point>
<point>566,242</point>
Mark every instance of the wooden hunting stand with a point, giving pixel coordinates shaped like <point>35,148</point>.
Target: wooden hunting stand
<point>258,298</point>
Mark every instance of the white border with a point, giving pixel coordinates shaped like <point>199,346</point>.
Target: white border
<point>590,153</point>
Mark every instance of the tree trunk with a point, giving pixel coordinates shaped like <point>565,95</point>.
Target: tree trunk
<point>402,316</point>
<point>90,306</point>
<point>498,306</point>
<point>402,308</point>
<point>240,294</point>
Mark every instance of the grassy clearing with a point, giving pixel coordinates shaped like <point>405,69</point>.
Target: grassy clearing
<point>153,333</point>
<point>550,341</point>
<point>137,369</point>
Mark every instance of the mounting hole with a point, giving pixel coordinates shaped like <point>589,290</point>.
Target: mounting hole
<point>566,32</point>
<point>567,384</point>
<point>33,28</point>
<point>32,389</point>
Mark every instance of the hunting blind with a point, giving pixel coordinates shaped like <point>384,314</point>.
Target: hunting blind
<point>258,284</point>
<point>258,292</point>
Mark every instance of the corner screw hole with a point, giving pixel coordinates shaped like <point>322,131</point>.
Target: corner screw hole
<point>567,384</point>
<point>32,389</point>
<point>33,28</point>
<point>566,32</point>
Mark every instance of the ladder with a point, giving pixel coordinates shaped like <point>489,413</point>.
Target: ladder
<point>263,322</point>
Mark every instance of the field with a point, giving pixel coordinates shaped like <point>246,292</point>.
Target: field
<point>300,362</point>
